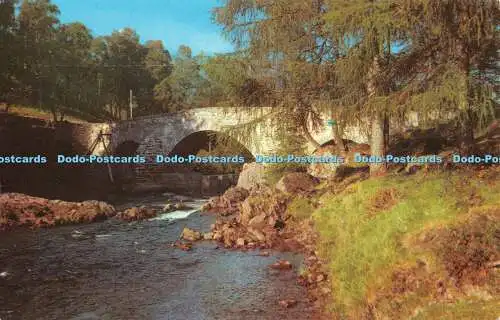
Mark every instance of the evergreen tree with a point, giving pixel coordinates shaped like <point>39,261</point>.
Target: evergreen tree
<point>38,23</point>
<point>366,32</point>
<point>8,51</point>
<point>455,45</point>
<point>289,56</point>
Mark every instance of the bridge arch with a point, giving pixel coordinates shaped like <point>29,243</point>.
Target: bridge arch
<point>164,136</point>
<point>209,140</point>
<point>175,139</point>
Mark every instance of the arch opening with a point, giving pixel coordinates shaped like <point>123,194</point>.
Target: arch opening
<point>211,143</point>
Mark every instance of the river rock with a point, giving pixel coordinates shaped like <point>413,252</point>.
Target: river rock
<point>281,265</point>
<point>262,221</point>
<point>229,235</point>
<point>258,221</point>
<point>168,207</point>
<point>106,208</point>
<point>240,242</point>
<point>264,204</point>
<point>137,213</point>
<point>191,235</point>
<point>289,303</point>
<point>22,210</point>
<point>208,236</point>
<point>256,235</point>
<point>296,182</point>
<point>184,246</point>
<point>228,203</point>
<point>251,175</point>
<point>217,236</point>
<point>251,245</point>
<point>180,206</point>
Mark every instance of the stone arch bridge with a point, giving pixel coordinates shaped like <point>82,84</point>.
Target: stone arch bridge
<point>159,135</point>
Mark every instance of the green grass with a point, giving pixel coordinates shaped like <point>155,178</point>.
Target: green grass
<point>300,208</point>
<point>33,112</point>
<point>364,234</point>
<point>461,310</point>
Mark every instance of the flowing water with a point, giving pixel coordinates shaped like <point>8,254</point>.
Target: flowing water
<point>120,270</point>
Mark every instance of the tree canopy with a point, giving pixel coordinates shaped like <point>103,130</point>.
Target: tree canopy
<point>365,62</point>
<point>370,61</point>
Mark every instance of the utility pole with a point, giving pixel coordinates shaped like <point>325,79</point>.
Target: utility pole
<point>131,104</point>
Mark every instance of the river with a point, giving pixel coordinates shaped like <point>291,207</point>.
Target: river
<point>119,270</point>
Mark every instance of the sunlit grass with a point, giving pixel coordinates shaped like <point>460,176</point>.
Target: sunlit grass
<point>300,208</point>
<point>364,229</point>
<point>33,112</point>
<point>461,310</point>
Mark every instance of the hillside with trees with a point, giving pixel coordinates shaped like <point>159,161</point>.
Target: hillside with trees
<point>64,69</point>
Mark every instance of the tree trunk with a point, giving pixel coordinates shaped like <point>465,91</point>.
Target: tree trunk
<point>377,146</point>
<point>54,114</point>
<point>468,126</point>
<point>339,141</point>
<point>377,143</point>
<point>386,132</point>
<point>309,137</point>
<point>337,136</point>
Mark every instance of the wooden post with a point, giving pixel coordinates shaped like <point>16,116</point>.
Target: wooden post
<point>131,105</point>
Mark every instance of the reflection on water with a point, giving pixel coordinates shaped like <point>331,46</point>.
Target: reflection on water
<point>119,270</point>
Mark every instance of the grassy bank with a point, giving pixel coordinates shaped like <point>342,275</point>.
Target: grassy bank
<point>34,112</point>
<point>410,247</point>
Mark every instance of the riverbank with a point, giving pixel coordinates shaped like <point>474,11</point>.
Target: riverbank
<point>415,247</point>
<point>20,210</point>
<point>402,246</point>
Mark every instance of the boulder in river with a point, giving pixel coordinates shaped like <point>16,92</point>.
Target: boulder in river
<point>208,236</point>
<point>281,265</point>
<point>240,242</point>
<point>264,206</point>
<point>191,235</point>
<point>256,222</point>
<point>184,246</point>
<point>22,210</point>
<point>256,235</point>
<point>137,213</point>
<point>168,207</point>
<point>288,303</point>
<point>228,203</point>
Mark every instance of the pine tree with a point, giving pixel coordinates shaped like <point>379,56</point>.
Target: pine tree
<point>8,52</point>
<point>289,55</point>
<point>366,32</point>
<point>458,45</point>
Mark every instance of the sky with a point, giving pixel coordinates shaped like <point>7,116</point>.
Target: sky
<point>175,22</point>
